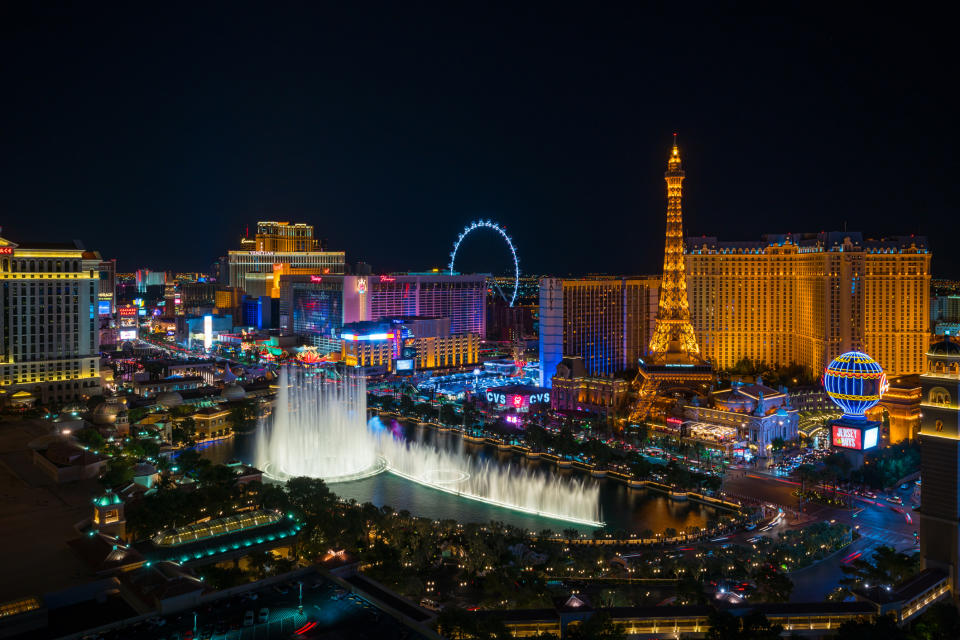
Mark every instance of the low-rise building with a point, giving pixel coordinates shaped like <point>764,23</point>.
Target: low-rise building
<point>212,422</point>
<point>573,390</point>
<point>752,414</point>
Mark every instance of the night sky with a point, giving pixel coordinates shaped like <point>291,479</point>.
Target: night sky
<point>156,138</point>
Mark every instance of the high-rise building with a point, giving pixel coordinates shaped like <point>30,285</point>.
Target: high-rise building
<point>48,320</point>
<point>285,237</point>
<point>807,298</point>
<point>940,460</point>
<point>316,307</point>
<point>282,243</point>
<point>606,321</point>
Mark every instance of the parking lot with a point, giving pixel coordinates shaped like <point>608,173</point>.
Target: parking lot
<point>274,612</point>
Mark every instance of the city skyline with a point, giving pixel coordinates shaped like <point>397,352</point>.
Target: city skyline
<point>553,127</point>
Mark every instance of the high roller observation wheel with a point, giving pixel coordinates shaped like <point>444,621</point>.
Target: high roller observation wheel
<point>489,224</point>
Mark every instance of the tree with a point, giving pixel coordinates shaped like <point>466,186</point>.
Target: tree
<point>886,567</point>
<point>599,626</point>
<point>808,475</point>
<point>752,626</point>
<point>184,432</point>
<point>772,586</point>
<point>883,627</point>
<point>777,445</point>
<point>91,438</point>
<point>119,473</point>
<point>448,415</point>
<point>940,622</point>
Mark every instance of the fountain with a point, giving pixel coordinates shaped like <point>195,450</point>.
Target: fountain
<point>319,429</point>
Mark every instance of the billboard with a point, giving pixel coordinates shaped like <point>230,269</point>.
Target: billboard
<point>404,365</point>
<point>128,334</point>
<point>103,307</point>
<point>857,438</point>
<point>515,400</point>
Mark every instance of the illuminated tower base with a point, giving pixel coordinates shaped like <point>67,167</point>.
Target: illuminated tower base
<point>855,438</point>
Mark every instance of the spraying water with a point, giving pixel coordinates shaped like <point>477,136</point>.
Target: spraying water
<point>319,429</point>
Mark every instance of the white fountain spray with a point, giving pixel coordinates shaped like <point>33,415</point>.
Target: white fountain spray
<point>319,429</point>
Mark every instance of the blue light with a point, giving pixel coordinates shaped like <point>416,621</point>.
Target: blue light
<point>855,382</point>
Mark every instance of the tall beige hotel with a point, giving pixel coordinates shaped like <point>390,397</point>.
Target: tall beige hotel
<point>807,298</point>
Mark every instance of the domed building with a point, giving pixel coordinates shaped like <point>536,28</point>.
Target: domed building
<point>169,399</point>
<point>105,414</point>
<point>744,417</point>
<point>233,392</point>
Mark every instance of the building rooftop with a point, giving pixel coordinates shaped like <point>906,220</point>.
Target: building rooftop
<point>217,527</point>
<point>811,242</point>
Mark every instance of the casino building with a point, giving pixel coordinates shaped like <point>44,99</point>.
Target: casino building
<point>606,321</point>
<point>316,307</point>
<point>407,344</point>
<point>808,297</point>
<point>50,346</point>
<point>940,460</point>
<point>280,243</point>
<point>753,415</point>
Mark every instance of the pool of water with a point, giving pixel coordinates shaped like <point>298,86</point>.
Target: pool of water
<point>622,508</point>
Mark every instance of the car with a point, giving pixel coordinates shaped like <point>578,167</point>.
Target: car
<point>905,486</point>
<point>750,527</point>
<point>264,615</point>
<point>251,596</point>
<point>895,500</point>
<point>248,618</point>
<point>281,589</point>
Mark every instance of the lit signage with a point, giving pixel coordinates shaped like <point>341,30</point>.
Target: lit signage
<point>6,251</point>
<point>387,279</point>
<point>207,332</point>
<point>361,285</point>
<point>316,278</point>
<point>369,336</point>
<point>857,438</point>
<point>518,400</point>
<point>404,365</point>
<point>127,312</point>
<point>128,334</point>
<point>103,307</point>
<point>846,437</point>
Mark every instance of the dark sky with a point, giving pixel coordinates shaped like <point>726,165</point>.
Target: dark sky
<point>157,137</point>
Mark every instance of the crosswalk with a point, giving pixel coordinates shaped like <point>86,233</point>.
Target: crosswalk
<point>871,538</point>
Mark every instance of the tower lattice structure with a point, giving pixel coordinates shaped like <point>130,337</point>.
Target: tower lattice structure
<point>674,355</point>
<point>673,337</point>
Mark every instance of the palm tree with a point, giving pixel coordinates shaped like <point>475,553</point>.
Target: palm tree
<point>777,444</point>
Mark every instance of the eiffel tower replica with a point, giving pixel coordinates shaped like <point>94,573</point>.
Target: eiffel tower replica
<point>674,361</point>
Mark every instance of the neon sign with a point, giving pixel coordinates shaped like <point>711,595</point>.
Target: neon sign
<point>6,251</point>
<point>846,437</point>
<point>316,278</point>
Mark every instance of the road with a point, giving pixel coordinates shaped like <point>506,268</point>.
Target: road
<point>878,522</point>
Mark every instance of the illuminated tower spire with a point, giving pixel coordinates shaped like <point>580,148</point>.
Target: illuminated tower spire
<point>674,340</point>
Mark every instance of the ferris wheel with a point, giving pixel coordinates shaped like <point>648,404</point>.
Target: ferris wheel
<point>493,226</point>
